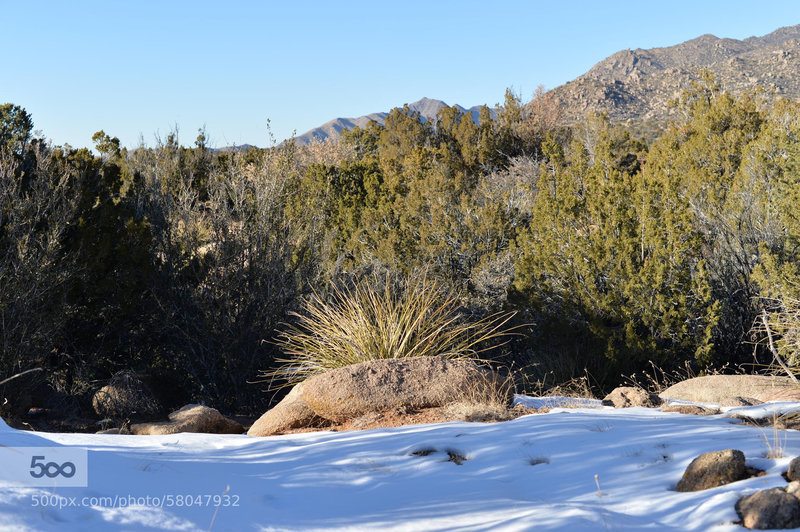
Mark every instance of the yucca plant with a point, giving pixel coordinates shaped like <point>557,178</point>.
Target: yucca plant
<point>368,322</point>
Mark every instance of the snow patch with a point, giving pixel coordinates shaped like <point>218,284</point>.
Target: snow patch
<point>586,468</point>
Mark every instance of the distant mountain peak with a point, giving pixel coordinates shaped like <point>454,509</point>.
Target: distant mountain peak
<point>425,101</point>
<point>427,108</point>
<point>706,37</point>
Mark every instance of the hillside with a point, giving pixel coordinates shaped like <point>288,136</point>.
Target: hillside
<point>637,85</point>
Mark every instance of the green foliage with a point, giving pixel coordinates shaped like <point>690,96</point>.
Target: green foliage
<point>612,251</point>
<point>364,141</point>
<point>15,128</point>
<point>777,275</point>
<point>107,146</point>
<point>111,243</point>
<point>179,262</point>
<point>377,319</point>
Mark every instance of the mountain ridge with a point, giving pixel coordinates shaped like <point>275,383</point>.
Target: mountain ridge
<point>637,85</point>
<point>426,107</point>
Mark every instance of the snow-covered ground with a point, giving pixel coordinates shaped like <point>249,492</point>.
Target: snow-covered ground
<point>589,468</point>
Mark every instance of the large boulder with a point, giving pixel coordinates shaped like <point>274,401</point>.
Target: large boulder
<point>769,509</point>
<point>713,469</point>
<point>191,418</point>
<point>628,396</point>
<point>723,388</point>
<point>125,397</point>
<point>291,413</point>
<point>350,392</point>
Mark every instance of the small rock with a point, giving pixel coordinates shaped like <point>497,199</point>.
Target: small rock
<point>793,487</point>
<point>115,430</point>
<point>628,396</point>
<point>710,470</point>
<point>695,410</point>
<point>794,469</point>
<point>769,509</point>
<point>191,418</point>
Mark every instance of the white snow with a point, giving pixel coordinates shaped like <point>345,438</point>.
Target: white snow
<point>556,402</point>
<point>590,469</point>
<point>763,411</point>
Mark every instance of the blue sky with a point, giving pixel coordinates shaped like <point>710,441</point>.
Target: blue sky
<point>143,67</point>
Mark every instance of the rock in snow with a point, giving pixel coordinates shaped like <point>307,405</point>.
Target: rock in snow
<point>628,396</point>
<point>191,418</point>
<point>710,470</point>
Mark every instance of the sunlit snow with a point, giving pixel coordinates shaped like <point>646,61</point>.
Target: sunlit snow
<point>590,468</point>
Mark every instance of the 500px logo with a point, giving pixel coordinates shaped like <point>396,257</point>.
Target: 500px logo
<point>51,469</point>
<point>44,466</point>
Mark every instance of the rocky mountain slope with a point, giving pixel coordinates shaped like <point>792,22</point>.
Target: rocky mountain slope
<point>637,85</point>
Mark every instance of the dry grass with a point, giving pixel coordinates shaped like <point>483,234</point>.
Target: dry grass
<point>366,322</point>
<point>576,387</point>
<point>776,445</point>
<point>656,380</point>
<point>548,385</point>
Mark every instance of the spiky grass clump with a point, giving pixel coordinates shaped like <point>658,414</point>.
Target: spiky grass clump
<point>368,322</point>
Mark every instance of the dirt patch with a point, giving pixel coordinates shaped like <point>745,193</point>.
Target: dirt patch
<point>453,455</point>
<point>457,457</point>
<point>424,452</point>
